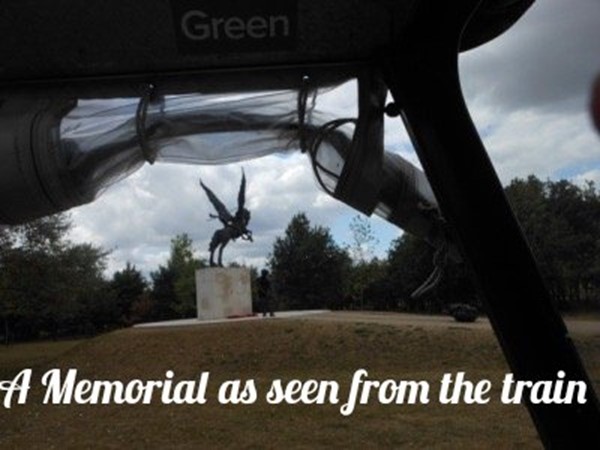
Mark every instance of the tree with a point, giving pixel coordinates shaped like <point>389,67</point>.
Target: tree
<point>163,294</point>
<point>578,209</point>
<point>174,286</point>
<point>15,303</point>
<point>308,269</point>
<point>129,287</point>
<point>410,261</point>
<point>81,293</point>
<point>562,223</point>
<point>184,264</point>
<point>31,281</point>
<point>368,287</point>
<point>366,271</point>
<point>47,283</point>
<point>364,241</point>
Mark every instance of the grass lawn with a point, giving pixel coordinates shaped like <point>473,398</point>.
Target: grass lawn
<point>13,358</point>
<point>264,350</point>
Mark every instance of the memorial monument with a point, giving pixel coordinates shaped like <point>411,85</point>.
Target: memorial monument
<point>233,226</point>
<point>225,292</point>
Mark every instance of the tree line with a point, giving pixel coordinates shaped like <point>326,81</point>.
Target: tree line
<point>51,287</point>
<point>560,219</point>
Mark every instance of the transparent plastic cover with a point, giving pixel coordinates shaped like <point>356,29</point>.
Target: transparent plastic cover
<point>105,140</point>
<point>103,136</point>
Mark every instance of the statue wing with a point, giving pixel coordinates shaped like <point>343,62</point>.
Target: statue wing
<point>224,215</point>
<point>242,193</point>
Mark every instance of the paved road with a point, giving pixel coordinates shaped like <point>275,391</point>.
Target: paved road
<point>575,326</point>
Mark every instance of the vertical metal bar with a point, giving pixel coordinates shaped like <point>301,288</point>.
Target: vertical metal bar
<point>422,74</point>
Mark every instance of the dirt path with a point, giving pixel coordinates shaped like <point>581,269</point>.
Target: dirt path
<point>578,325</point>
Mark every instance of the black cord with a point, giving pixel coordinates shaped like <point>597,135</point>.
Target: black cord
<point>140,123</point>
<point>440,259</point>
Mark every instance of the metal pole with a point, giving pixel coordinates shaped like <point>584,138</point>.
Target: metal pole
<point>422,75</point>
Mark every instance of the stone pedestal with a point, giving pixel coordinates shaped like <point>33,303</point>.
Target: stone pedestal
<point>223,292</point>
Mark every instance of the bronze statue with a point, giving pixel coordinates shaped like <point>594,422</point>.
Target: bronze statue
<point>233,226</point>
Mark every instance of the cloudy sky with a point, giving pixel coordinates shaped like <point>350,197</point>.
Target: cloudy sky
<point>528,92</point>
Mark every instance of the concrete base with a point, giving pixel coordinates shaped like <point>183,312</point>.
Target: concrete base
<point>223,292</point>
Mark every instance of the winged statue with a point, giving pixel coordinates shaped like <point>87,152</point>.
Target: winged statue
<point>234,226</point>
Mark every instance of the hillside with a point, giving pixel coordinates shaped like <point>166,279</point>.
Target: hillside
<point>263,351</point>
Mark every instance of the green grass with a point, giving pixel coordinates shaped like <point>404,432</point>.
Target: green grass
<point>13,358</point>
<point>264,350</point>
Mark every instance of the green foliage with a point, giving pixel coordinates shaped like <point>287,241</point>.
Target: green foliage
<point>368,286</point>
<point>562,222</point>
<point>52,287</point>
<point>129,287</point>
<point>184,265</point>
<point>46,282</point>
<point>163,294</point>
<point>364,241</point>
<point>366,274</point>
<point>308,269</point>
<point>174,286</point>
<point>410,261</point>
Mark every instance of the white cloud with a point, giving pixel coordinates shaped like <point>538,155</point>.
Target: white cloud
<point>547,144</point>
<point>548,58</point>
<point>137,217</point>
<point>528,91</point>
<point>592,175</point>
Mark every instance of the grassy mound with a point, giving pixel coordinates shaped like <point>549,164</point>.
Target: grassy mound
<point>263,351</point>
